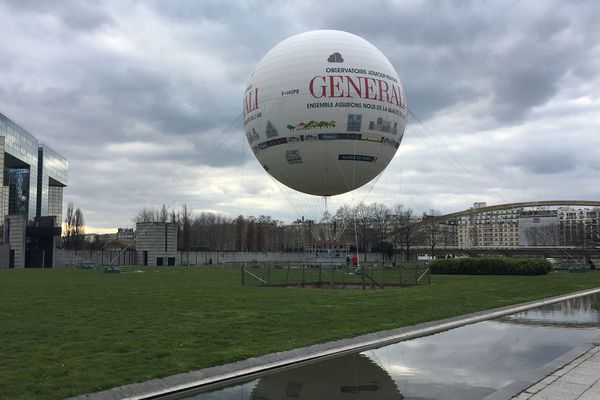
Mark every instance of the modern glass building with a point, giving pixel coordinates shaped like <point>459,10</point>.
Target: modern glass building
<point>34,176</point>
<point>52,169</point>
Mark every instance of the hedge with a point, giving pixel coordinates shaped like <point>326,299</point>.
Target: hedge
<point>490,266</point>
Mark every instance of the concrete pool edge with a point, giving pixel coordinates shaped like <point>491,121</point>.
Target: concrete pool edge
<point>533,377</point>
<point>232,373</point>
<point>578,379</point>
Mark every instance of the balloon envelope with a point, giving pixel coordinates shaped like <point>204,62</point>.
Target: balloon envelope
<point>324,112</point>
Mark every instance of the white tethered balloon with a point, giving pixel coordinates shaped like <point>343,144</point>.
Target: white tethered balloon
<point>324,112</point>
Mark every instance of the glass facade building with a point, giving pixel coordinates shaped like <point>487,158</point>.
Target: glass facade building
<point>17,180</point>
<point>20,158</point>
<point>34,176</point>
<point>52,174</point>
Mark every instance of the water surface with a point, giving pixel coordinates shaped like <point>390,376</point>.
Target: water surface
<point>470,362</point>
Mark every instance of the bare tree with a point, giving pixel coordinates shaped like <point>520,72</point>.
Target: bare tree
<point>404,227</point>
<point>207,231</point>
<point>79,226</point>
<point>344,221</point>
<point>223,234</point>
<point>164,214</point>
<point>251,233</point>
<point>185,219</point>
<point>68,227</point>
<point>240,232</point>
<point>432,229</point>
<point>74,228</point>
<point>363,219</point>
<point>396,225</point>
<point>146,215</point>
<point>174,217</point>
<point>260,234</point>
<point>382,223</point>
<point>210,231</point>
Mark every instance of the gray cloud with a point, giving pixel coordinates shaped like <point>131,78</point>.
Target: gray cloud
<point>542,161</point>
<point>74,14</point>
<point>515,53</point>
<point>151,88</point>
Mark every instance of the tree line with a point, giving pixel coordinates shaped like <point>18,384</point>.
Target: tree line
<point>372,227</point>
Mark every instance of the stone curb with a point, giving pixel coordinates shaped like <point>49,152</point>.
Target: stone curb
<point>555,384</point>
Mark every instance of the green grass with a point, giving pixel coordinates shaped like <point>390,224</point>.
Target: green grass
<point>66,332</point>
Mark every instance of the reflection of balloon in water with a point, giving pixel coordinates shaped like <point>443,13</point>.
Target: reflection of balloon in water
<point>324,112</point>
<point>351,377</point>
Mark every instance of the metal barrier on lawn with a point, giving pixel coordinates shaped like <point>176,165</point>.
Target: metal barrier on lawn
<point>376,276</point>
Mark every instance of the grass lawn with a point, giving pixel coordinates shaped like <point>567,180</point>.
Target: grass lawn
<point>65,332</point>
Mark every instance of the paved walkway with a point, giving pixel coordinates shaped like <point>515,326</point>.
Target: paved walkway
<point>578,380</point>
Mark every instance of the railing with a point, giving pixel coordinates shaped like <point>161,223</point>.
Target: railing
<point>374,276</point>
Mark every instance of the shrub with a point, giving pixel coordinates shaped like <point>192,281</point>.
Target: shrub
<point>491,266</point>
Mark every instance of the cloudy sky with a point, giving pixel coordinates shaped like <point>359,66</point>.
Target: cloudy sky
<point>143,98</point>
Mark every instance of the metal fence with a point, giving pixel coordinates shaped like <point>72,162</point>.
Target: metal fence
<point>363,277</point>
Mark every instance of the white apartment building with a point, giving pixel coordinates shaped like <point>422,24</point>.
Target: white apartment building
<point>491,229</point>
<point>542,226</point>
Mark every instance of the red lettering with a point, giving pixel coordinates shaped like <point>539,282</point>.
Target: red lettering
<point>383,90</point>
<point>402,97</point>
<point>251,101</point>
<point>357,88</point>
<point>311,87</point>
<point>394,97</point>
<point>369,87</point>
<point>397,97</point>
<point>336,85</point>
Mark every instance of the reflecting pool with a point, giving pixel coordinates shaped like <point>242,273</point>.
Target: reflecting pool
<point>470,362</point>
